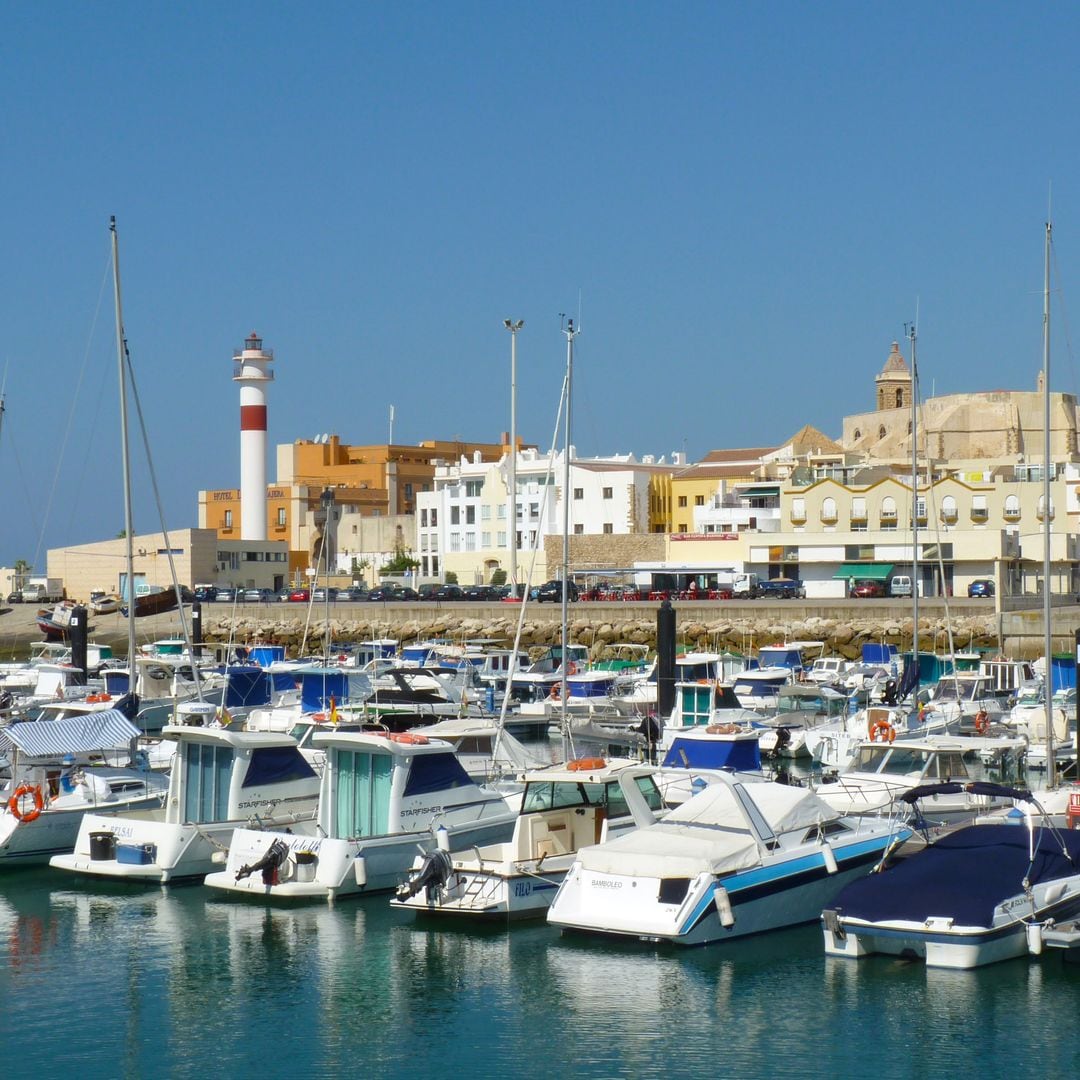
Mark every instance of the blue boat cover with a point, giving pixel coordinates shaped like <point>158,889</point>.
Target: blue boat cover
<point>742,755</point>
<point>963,876</point>
<point>275,764</point>
<point>247,686</point>
<point>104,730</point>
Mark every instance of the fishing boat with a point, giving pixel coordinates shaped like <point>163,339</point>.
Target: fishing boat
<point>57,777</point>
<point>972,897</point>
<point>221,780</point>
<point>381,799</point>
<point>737,858</point>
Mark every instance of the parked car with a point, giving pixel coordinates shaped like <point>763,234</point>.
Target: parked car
<point>782,588</point>
<point>448,592</point>
<point>406,594</point>
<point>206,593</point>
<point>900,585</point>
<point>352,593</point>
<point>226,595</point>
<point>258,596</point>
<point>383,592</point>
<point>981,587</point>
<point>15,597</point>
<point>324,593</point>
<point>300,595</point>
<point>868,588</point>
<point>478,592</point>
<point>553,591</point>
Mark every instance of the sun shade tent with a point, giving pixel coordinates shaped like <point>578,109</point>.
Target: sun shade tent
<point>106,730</point>
<point>865,571</point>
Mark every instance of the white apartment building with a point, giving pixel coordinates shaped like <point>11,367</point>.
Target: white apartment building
<point>463,523</point>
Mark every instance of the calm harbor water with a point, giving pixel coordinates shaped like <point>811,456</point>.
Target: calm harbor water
<point>123,981</point>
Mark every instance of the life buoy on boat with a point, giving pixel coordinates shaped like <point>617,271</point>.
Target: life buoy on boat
<point>982,722</point>
<point>586,764</point>
<point>556,692</point>
<point>571,668</point>
<point>888,732</point>
<point>722,729</point>
<point>16,800</point>
<point>406,738</point>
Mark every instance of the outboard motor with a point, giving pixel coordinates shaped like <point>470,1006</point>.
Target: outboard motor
<point>269,864</point>
<point>432,873</point>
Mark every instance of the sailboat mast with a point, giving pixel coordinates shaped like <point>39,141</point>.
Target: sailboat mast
<point>121,356</point>
<point>571,333</point>
<point>1047,606</point>
<point>912,334</point>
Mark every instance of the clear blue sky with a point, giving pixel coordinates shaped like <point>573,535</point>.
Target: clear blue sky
<point>747,201</point>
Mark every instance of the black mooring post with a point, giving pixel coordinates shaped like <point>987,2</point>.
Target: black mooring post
<point>196,627</point>
<point>665,660</point>
<point>77,637</point>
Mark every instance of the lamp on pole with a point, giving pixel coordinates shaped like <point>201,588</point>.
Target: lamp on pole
<point>513,327</point>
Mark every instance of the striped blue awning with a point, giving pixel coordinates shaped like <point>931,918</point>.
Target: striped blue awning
<point>104,730</point>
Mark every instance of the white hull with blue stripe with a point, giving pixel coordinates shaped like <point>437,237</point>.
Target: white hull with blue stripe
<point>738,858</point>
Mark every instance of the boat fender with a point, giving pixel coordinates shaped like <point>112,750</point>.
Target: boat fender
<point>269,864</point>
<point>982,722</point>
<point>15,803</point>
<point>723,907</point>
<point>1035,938</point>
<point>433,873</point>
<point>829,857</point>
<point>722,729</point>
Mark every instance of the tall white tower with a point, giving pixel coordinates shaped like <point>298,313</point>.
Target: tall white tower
<point>251,369</point>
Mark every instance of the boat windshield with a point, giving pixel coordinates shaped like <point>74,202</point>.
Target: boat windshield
<point>959,690</point>
<point>564,794</point>
<point>899,760</point>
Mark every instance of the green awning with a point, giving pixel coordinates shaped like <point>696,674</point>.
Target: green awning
<point>869,571</point>
<point>760,491</point>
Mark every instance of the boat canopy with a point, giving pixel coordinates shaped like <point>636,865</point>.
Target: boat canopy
<point>865,571</point>
<point>104,730</point>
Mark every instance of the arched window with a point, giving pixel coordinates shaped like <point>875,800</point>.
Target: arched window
<point>888,512</point>
<point>909,427</point>
<point>948,510</point>
<point>899,398</point>
<point>881,432</point>
<point>1012,508</point>
<point>858,434</point>
<point>1042,508</point>
<point>828,510</point>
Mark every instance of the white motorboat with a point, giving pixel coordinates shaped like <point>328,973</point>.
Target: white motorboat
<point>800,709</point>
<point>564,807</point>
<point>737,858</point>
<point>973,896</point>
<point>882,771</point>
<point>56,779</point>
<point>381,800</point>
<point>221,780</point>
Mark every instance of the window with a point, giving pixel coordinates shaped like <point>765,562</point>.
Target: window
<point>501,538</point>
<point>1012,508</point>
<point>434,517</point>
<point>608,527</point>
<point>682,501</point>
<point>455,515</point>
<point>423,519</point>
<point>881,432</point>
<point>534,510</point>
<point>228,519</point>
<point>579,493</point>
<point>888,513</point>
<point>455,541</point>
<point>206,797</point>
<point>485,512</point>
<point>1041,512</point>
<point>607,493</point>
<point>857,434</point>
<point>900,399</point>
<point>281,515</point>
<point>699,500</point>
<point>473,488</point>
<point>579,530</point>
<point>979,511</point>
<point>828,510</point>
<point>485,540</point>
<point>858,511</point>
<point>798,510</point>
<point>470,515</point>
<point>362,803</point>
<point>408,491</point>
<point>682,527</point>
<point>470,541</point>
<point>948,510</point>
<point>500,511</point>
<point>435,564</point>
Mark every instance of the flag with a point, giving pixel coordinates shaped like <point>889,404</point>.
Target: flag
<point>224,719</point>
<point>333,710</point>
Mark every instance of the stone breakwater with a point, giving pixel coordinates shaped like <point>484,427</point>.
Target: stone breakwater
<point>744,634</point>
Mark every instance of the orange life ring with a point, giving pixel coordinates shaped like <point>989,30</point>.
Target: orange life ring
<point>586,764</point>
<point>15,802</point>
<point>318,717</point>
<point>556,691</point>
<point>571,668</point>
<point>982,722</point>
<point>406,738</point>
<point>888,732</point>
<point>722,729</point>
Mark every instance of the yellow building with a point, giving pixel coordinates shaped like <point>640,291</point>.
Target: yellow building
<point>696,485</point>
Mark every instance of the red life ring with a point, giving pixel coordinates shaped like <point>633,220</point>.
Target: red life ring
<point>586,764</point>
<point>15,802</point>
<point>888,732</point>
<point>556,692</point>
<point>571,668</point>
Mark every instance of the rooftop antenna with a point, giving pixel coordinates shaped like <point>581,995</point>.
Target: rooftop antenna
<point>391,425</point>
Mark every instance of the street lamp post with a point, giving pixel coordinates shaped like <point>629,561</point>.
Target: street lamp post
<point>513,327</point>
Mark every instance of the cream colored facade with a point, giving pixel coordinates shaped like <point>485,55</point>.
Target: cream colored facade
<point>199,557</point>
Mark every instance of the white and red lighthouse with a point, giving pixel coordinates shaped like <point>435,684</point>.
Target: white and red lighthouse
<point>251,369</point>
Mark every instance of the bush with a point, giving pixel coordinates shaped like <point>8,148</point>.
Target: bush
<point>498,577</point>
<point>450,578</point>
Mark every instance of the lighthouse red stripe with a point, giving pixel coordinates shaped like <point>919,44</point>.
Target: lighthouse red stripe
<point>252,417</point>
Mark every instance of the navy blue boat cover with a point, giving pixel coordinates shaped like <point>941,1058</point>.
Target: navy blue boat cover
<point>963,876</point>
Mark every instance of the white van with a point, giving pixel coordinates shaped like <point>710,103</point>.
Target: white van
<point>900,585</point>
